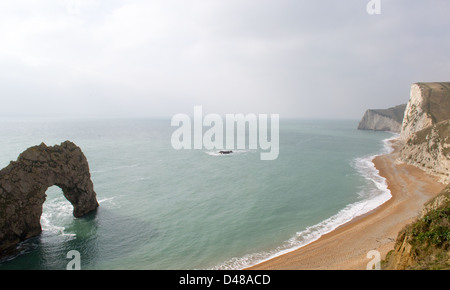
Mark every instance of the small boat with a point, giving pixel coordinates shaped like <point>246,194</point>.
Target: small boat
<point>226,152</point>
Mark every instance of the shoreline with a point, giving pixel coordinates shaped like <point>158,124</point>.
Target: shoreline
<point>346,247</point>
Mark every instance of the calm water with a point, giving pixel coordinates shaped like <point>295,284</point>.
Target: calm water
<point>195,209</point>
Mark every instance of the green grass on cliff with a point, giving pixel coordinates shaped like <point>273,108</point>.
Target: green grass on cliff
<point>431,249</point>
<point>429,238</point>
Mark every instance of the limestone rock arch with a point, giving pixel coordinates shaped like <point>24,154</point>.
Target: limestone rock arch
<point>23,184</point>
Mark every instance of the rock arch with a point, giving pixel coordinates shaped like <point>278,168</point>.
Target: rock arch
<point>23,184</point>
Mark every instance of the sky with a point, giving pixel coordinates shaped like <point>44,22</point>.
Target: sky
<point>156,58</point>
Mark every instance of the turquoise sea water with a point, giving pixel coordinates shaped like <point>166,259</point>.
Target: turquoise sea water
<point>195,209</point>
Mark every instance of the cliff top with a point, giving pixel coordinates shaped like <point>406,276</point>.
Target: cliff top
<point>436,100</point>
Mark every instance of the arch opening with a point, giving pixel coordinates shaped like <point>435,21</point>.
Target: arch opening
<point>57,211</point>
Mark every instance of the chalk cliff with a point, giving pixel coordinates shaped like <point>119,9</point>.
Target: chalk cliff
<point>426,129</point>
<point>383,120</point>
<point>425,134</point>
<point>23,184</point>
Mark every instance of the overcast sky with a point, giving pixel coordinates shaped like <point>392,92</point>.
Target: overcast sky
<point>156,58</point>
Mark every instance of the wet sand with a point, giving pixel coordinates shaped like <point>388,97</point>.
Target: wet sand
<point>346,248</point>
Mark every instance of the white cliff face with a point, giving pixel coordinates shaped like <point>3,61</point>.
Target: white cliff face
<point>428,149</point>
<point>426,129</point>
<point>383,120</point>
<point>415,118</point>
<point>374,121</point>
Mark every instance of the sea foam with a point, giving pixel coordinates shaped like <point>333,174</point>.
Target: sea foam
<point>55,210</point>
<point>372,196</point>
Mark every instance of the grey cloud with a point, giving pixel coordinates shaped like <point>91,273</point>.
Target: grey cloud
<point>307,59</point>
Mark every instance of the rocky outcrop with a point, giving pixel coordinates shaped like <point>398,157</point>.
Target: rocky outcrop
<point>426,129</point>
<point>23,184</point>
<point>383,120</point>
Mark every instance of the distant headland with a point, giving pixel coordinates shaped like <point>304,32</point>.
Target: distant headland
<point>383,119</point>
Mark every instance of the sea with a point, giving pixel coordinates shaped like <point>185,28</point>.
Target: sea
<point>163,209</point>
